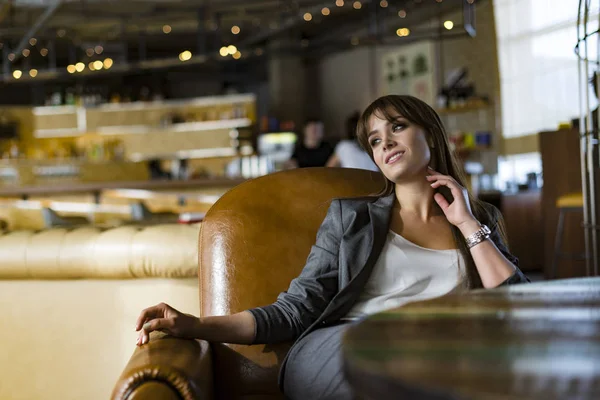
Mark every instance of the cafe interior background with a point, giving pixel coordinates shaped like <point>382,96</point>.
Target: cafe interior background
<point>146,112</point>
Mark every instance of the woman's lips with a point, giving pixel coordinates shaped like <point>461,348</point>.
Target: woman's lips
<point>392,158</point>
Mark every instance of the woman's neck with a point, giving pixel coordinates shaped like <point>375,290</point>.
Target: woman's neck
<point>416,198</point>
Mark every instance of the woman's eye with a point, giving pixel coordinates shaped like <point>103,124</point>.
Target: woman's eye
<point>397,127</point>
<point>374,142</point>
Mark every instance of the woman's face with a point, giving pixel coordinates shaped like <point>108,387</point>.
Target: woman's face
<point>400,148</point>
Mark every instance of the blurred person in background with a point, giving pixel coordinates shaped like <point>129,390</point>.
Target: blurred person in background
<point>312,150</point>
<point>348,152</point>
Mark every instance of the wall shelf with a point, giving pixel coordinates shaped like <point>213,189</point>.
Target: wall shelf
<point>150,105</point>
<point>188,154</point>
<point>57,133</point>
<point>180,127</point>
<point>222,112</point>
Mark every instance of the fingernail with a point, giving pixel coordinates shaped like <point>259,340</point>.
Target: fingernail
<point>428,167</point>
<point>147,326</point>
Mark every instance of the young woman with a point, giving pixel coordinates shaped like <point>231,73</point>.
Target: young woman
<point>423,237</point>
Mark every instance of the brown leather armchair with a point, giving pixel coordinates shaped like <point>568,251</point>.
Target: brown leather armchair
<point>253,242</point>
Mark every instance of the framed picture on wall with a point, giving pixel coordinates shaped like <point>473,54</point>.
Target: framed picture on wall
<point>410,70</point>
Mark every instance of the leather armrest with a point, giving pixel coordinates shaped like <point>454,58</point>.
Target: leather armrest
<point>182,367</point>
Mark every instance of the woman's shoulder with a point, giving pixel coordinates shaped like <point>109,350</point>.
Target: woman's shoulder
<point>355,203</point>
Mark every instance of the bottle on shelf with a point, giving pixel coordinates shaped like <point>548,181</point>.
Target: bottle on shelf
<point>115,98</point>
<point>56,98</point>
<point>14,150</point>
<point>69,97</point>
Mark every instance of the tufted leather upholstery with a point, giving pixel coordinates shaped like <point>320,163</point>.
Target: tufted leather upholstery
<point>160,251</point>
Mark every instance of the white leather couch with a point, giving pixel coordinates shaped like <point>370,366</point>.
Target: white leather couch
<point>69,300</point>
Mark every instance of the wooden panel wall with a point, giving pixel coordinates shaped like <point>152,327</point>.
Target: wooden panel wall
<point>562,175</point>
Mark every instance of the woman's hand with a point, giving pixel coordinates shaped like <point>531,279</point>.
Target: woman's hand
<point>165,318</point>
<point>458,212</point>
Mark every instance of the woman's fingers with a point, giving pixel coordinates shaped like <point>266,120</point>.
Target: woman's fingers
<point>158,324</point>
<point>454,187</point>
<point>441,200</point>
<point>157,311</point>
<point>440,177</point>
<point>159,317</point>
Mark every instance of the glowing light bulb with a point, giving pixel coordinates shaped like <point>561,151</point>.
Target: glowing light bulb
<point>185,55</point>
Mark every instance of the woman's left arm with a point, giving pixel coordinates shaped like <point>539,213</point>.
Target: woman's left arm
<point>495,265</point>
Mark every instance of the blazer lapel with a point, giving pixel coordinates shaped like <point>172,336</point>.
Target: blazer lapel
<point>379,223</point>
<point>379,213</point>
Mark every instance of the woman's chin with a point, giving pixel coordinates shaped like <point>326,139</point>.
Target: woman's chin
<point>396,176</point>
<point>403,175</point>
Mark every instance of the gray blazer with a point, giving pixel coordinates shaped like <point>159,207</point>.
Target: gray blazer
<point>347,247</point>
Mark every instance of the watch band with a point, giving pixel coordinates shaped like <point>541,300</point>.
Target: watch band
<point>482,234</point>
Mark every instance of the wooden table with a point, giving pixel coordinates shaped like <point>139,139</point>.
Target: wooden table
<point>534,341</point>
<point>96,188</point>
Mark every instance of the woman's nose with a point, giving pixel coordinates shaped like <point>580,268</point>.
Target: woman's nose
<point>389,142</point>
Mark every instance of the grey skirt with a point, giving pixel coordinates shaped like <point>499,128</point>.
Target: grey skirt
<point>314,367</point>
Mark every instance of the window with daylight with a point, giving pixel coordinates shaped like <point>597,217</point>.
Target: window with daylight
<point>538,65</point>
<point>538,73</point>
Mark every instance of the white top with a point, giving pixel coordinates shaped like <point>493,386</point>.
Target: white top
<point>406,272</point>
<point>352,156</point>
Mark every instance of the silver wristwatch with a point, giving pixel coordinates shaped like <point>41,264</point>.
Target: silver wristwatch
<point>479,236</point>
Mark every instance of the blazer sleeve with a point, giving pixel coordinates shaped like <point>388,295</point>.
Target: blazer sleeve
<point>518,276</point>
<point>309,294</point>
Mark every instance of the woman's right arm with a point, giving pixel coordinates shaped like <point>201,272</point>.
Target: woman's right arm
<point>238,328</point>
<point>294,311</point>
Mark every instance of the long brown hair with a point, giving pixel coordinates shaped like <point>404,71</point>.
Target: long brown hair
<point>443,160</point>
